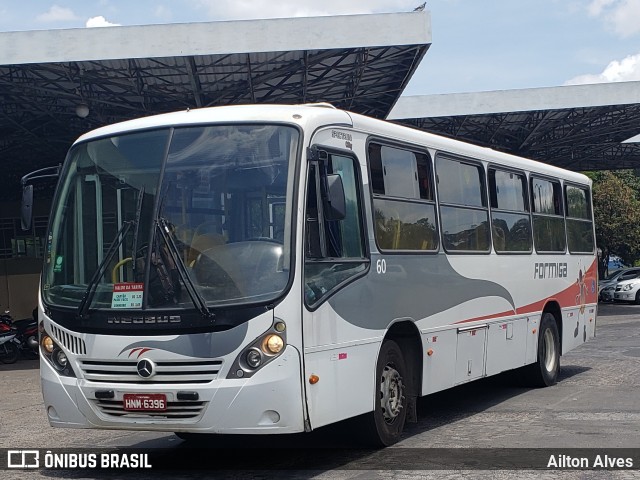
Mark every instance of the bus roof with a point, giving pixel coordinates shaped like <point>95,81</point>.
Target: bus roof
<point>293,114</point>
<point>406,134</point>
<point>313,116</point>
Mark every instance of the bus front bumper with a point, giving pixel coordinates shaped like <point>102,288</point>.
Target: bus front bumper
<point>268,402</point>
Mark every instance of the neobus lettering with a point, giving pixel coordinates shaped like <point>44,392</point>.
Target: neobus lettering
<point>550,270</point>
<point>341,135</point>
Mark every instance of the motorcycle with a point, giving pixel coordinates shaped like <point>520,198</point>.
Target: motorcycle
<point>26,331</point>
<point>6,318</point>
<point>9,343</point>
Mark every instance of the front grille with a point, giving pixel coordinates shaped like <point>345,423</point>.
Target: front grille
<point>167,372</point>
<point>70,341</point>
<point>174,411</point>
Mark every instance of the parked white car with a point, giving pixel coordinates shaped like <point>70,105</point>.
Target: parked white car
<point>607,287</point>
<point>628,291</point>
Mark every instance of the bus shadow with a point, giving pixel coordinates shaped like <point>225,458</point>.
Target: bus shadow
<point>473,398</point>
<point>305,455</point>
<point>568,371</point>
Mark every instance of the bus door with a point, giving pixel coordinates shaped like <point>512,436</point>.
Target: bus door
<point>335,256</point>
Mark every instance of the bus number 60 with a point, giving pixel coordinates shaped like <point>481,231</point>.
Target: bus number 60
<point>381,266</point>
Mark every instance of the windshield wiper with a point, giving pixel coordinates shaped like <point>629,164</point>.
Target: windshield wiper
<point>83,308</point>
<point>196,297</point>
<point>134,246</point>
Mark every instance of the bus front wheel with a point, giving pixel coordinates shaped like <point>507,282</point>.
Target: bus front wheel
<point>386,422</point>
<point>544,372</point>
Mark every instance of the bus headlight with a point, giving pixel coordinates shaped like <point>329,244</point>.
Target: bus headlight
<point>53,354</point>
<point>253,358</point>
<point>59,359</point>
<point>273,344</point>
<point>262,350</point>
<point>47,344</point>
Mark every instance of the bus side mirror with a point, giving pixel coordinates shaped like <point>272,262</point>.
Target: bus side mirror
<point>27,192</point>
<point>334,204</point>
<point>27,207</point>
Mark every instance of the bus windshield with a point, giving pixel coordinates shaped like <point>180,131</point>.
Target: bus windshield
<point>173,218</point>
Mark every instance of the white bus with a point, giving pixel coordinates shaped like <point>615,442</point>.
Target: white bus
<point>274,269</point>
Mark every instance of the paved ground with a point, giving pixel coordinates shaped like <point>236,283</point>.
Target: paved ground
<point>596,404</point>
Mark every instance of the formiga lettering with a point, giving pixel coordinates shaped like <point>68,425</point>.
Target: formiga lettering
<point>549,270</point>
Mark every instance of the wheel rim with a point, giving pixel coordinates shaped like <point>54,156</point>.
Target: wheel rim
<point>391,393</point>
<point>550,353</point>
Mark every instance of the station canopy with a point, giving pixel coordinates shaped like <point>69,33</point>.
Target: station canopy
<point>57,84</point>
<point>580,127</point>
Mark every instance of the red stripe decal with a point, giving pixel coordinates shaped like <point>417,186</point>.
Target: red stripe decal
<point>582,291</point>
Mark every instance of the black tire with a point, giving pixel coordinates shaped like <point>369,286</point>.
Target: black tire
<point>383,427</point>
<point>637,302</point>
<point>544,372</point>
<point>9,352</point>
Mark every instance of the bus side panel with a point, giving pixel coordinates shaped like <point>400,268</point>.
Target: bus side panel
<point>578,326</point>
<point>533,321</point>
<point>440,360</point>
<point>470,353</point>
<point>343,356</point>
<point>346,382</point>
<point>591,313</point>
<point>507,345</point>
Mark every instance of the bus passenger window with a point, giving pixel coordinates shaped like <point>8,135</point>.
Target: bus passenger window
<point>463,205</point>
<point>403,199</point>
<point>510,220</point>
<point>548,218</point>
<point>579,224</point>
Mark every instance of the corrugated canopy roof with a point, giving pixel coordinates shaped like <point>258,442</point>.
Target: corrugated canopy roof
<point>358,62</point>
<point>581,127</point>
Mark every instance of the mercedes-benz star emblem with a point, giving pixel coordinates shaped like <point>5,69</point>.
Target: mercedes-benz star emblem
<point>146,368</point>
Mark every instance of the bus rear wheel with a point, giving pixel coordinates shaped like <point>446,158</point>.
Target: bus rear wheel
<point>385,424</point>
<point>544,372</point>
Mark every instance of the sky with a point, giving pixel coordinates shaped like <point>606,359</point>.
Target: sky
<point>477,45</point>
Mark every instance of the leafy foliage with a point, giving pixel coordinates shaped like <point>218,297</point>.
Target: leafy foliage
<point>616,210</point>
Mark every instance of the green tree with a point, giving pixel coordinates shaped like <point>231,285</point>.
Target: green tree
<point>616,210</point>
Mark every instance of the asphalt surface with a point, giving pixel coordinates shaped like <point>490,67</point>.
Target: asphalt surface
<point>596,405</point>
